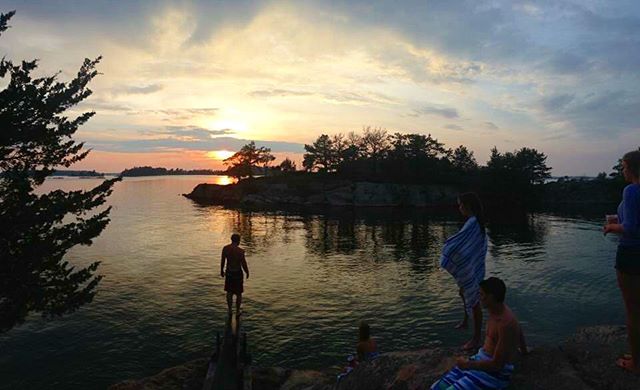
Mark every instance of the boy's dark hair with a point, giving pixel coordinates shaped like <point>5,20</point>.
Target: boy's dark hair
<point>235,237</point>
<point>364,332</point>
<point>633,162</point>
<point>495,287</point>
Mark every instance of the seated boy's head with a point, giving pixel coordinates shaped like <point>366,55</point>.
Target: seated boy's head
<point>492,291</point>
<point>363,331</point>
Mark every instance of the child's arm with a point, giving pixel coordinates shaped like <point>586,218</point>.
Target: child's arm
<point>222,260</point>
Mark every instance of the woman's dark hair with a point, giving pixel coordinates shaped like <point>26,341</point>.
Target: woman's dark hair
<point>472,204</point>
<point>633,162</point>
<point>364,332</point>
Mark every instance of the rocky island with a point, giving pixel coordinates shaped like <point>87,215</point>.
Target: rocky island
<point>309,191</point>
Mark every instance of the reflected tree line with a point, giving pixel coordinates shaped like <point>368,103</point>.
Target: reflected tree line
<point>415,236</point>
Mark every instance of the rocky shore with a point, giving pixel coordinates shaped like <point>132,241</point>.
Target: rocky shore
<point>334,192</point>
<point>585,361</point>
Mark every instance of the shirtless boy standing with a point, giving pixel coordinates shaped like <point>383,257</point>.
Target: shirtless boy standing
<point>236,262</point>
<point>492,366</point>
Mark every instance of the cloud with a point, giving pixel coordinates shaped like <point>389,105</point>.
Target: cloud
<point>601,114</point>
<point>104,105</point>
<point>491,126</point>
<point>138,90</point>
<point>266,93</point>
<point>445,112</point>
<point>188,138</point>
<point>453,127</point>
<point>339,97</point>
<point>556,103</point>
<point>188,133</point>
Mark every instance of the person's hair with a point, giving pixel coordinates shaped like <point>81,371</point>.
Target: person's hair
<point>235,237</point>
<point>495,287</point>
<point>364,332</point>
<point>472,204</point>
<point>633,162</point>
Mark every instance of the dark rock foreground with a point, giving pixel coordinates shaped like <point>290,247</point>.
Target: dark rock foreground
<point>586,361</point>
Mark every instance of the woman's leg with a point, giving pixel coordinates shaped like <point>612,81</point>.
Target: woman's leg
<point>464,323</point>
<point>630,288</point>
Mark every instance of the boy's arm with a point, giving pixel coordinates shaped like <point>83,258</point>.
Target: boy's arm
<point>222,259</point>
<point>245,267</point>
<point>523,343</point>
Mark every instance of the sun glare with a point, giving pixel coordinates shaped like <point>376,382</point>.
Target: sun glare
<point>220,154</point>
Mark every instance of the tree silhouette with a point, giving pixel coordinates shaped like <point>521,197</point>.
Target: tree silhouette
<point>243,162</point>
<point>36,231</point>
<point>463,159</point>
<point>287,165</point>
<point>320,155</point>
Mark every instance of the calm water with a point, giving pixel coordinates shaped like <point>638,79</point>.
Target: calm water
<point>313,277</point>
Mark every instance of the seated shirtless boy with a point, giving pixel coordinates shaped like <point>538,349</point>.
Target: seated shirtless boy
<point>492,366</point>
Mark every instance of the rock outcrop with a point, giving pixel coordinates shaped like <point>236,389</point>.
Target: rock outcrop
<point>584,362</point>
<point>338,193</point>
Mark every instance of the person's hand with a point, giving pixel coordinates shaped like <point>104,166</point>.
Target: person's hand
<point>222,274</point>
<point>608,228</point>
<point>462,363</point>
<point>247,275</point>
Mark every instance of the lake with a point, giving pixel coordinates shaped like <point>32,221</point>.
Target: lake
<point>314,276</point>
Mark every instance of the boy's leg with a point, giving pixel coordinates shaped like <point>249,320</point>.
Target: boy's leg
<point>238,303</point>
<point>229,301</point>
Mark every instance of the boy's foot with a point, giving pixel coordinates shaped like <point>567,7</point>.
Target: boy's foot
<point>627,365</point>
<point>462,324</point>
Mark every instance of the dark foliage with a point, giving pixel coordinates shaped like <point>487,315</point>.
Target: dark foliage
<point>244,162</point>
<point>152,171</point>
<point>36,231</point>
<point>287,166</point>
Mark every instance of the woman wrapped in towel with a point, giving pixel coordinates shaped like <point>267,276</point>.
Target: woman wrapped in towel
<point>491,367</point>
<point>463,256</point>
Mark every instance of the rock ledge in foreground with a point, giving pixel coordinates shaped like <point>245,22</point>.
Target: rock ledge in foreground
<point>584,362</point>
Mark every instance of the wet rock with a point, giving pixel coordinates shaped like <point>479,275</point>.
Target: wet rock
<point>584,362</point>
<point>188,376</point>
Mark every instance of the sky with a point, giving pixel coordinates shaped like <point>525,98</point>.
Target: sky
<point>184,83</point>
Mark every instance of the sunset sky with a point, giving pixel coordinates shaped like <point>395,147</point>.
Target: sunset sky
<point>183,81</point>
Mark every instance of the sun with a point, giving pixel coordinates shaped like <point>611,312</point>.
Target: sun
<point>220,154</point>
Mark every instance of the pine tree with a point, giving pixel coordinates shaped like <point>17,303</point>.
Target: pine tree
<point>244,161</point>
<point>36,231</point>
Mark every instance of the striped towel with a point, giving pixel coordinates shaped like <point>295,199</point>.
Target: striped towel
<point>474,379</point>
<point>463,256</point>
